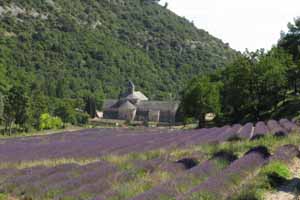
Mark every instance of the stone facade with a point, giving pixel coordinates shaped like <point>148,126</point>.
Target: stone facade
<point>135,106</point>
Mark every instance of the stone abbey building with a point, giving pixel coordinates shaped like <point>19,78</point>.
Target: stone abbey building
<point>135,106</point>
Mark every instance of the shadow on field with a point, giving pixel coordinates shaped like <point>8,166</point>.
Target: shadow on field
<point>225,155</point>
<point>257,137</point>
<point>188,163</point>
<point>234,138</point>
<point>280,134</point>
<point>281,184</point>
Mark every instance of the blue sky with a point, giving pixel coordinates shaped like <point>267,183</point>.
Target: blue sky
<point>251,24</point>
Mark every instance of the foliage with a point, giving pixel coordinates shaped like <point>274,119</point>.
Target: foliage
<point>15,107</point>
<point>289,40</point>
<point>81,118</point>
<point>290,43</point>
<point>254,83</point>
<point>3,79</point>
<point>1,106</point>
<point>90,106</point>
<point>73,47</point>
<point>200,97</point>
<point>278,168</point>
<point>49,122</point>
<point>38,104</point>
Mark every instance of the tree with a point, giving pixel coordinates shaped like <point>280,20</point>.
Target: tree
<point>90,106</point>
<point>99,99</point>
<point>253,84</point>
<point>3,79</point>
<point>38,105</point>
<point>271,81</point>
<point>290,43</point>
<point>15,107</point>
<point>201,96</point>
<point>1,106</point>
<point>290,40</point>
<point>66,112</point>
<point>238,80</point>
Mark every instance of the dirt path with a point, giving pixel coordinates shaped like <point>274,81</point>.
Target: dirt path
<point>288,192</point>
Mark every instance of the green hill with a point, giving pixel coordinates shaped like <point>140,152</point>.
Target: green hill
<point>68,47</point>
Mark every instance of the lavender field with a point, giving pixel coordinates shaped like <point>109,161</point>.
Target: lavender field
<point>143,164</point>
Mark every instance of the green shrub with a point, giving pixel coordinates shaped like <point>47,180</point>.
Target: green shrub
<point>249,194</point>
<point>277,167</point>
<point>81,118</point>
<point>276,174</point>
<point>189,120</point>
<point>49,122</point>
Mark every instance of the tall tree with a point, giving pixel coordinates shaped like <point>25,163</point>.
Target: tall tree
<point>91,106</point>
<point>15,108</point>
<point>238,80</point>
<point>3,79</point>
<point>1,106</point>
<point>254,84</point>
<point>38,105</point>
<point>270,81</point>
<point>201,97</point>
<point>290,42</point>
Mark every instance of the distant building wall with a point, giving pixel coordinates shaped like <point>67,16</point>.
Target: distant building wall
<point>167,117</point>
<point>127,115</point>
<point>141,115</point>
<point>154,115</point>
<point>110,114</point>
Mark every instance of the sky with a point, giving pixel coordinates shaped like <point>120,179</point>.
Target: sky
<point>251,24</point>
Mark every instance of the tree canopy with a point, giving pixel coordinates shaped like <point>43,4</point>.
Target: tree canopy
<point>201,97</point>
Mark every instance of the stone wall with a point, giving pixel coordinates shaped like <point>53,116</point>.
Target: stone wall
<point>127,115</point>
<point>110,114</point>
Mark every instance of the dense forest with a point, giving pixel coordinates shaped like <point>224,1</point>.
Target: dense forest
<point>256,86</point>
<point>69,47</point>
<point>59,55</point>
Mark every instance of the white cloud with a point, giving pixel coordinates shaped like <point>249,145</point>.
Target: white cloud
<point>251,24</point>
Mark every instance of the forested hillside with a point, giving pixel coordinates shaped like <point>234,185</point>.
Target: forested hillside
<point>65,49</point>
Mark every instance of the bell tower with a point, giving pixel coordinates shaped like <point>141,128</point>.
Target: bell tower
<point>131,87</point>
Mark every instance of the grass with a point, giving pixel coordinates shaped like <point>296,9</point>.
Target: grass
<point>242,146</point>
<point>122,161</point>
<point>270,177</point>
<point>41,133</point>
<point>7,197</point>
<point>280,168</point>
<point>3,196</point>
<point>202,196</point>
<point>48,163</point>
<point>141,183</point>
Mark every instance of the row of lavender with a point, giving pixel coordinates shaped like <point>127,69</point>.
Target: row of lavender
<point>220,176</point>
<point>214,181</point>
<point>71,181</point>
<point>99,142</point>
